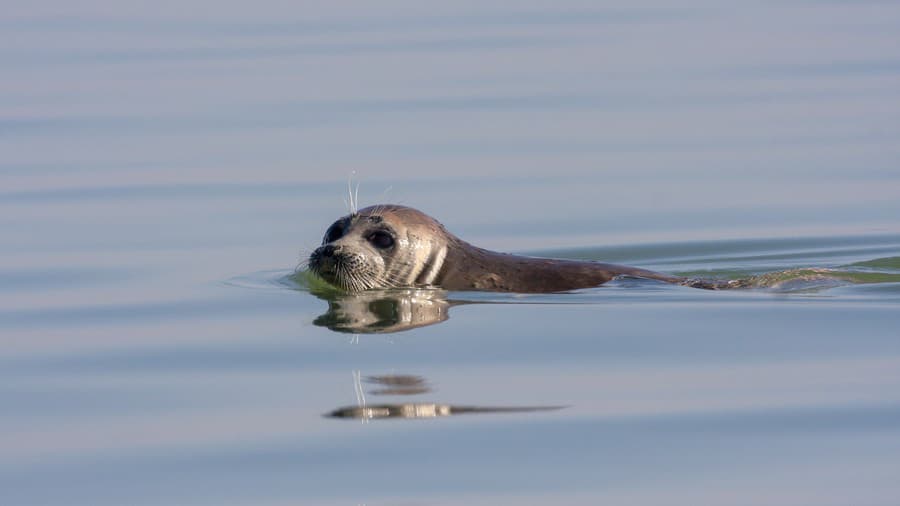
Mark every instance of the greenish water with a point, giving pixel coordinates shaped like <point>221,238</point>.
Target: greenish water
<point>164,171</point>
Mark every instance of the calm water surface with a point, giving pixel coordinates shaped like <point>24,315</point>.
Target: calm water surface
<point>164,170</point>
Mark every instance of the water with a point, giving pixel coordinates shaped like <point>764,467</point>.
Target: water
<point>164,170</point>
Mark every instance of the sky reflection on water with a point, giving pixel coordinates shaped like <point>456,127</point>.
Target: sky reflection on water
<point>164,167</point>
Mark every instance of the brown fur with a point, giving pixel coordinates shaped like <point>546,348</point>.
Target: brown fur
<point>468,267</point>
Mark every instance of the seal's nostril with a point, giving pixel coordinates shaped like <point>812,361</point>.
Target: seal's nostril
<point>327,251</point>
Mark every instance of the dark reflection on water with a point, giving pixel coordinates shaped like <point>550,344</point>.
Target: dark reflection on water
<point>399,384</point>
<point>426,410</point>
<point>383,311</point>
<point>413,385</point>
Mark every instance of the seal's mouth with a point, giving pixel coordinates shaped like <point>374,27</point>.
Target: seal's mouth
<point>323,263</point>
<point>338,269</point>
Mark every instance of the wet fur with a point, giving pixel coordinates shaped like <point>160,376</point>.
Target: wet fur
<point>425,254</point>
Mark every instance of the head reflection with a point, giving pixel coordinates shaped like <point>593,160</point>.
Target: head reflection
<point>382,311</point>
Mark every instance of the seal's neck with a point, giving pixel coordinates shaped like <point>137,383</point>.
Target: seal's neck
<point>469,267</point>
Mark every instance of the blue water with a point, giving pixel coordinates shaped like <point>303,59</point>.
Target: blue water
<point>164,170</point>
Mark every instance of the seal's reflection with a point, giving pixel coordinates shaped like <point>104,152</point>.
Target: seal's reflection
<point>393,384</point>
<point>383,311</point>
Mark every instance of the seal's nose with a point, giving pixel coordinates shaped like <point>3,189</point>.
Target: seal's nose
<point>328,251</point>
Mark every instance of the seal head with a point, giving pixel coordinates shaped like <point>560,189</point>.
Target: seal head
<point>385,246</point>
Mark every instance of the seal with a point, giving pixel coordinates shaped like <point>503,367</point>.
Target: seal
<point>393,246</point>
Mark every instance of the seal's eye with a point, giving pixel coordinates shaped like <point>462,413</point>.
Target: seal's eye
<point>334,233</point>
<point>380,239</point>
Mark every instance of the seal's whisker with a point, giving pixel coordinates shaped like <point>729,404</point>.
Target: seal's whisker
<point>304,255</point>
<point>376,209</point>
<point>352,194</point>
<point>384,194</point>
